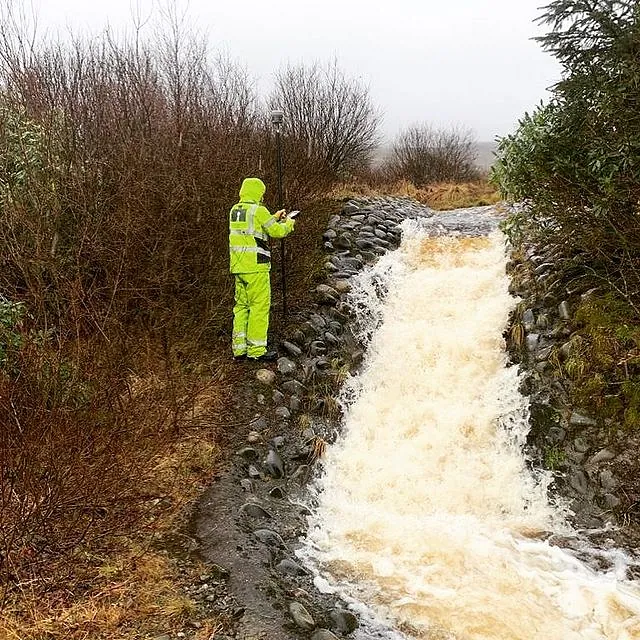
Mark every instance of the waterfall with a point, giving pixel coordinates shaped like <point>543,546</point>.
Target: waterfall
<point>427,511</point>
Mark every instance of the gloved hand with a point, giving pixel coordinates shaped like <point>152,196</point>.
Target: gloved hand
<point>280,214</point>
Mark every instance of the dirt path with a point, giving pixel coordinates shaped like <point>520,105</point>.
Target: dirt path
<point>250,520</point>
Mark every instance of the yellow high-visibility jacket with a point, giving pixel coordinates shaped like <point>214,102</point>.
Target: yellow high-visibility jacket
<point>250,225</point>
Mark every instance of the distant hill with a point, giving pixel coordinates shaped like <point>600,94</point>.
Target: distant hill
<point>484,160</point>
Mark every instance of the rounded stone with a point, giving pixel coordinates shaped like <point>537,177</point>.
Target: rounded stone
<point>269,537</point>
<point>317,348</point>
<point>330,266</point>
<point>298,337</point>
<point>331,339</point>
<point>342,286</point>
<point>247,485</point>
<point>286,366</point>
<point>326,294</point>
<point>274,464</point>
<point>301,616</point>
<point>259,424</point>
<point>317,322</point>
<point>277,397</point>
<point>323,634</point>
<point>342,241</point>
<point>579,420</point>
<point>292,349</point>
<point>343,620</point>
<point>289,567</point>
<point>254,510</point>
<point>253,472</point>
<point>364,244</point>
<point>354,262</point>
<point>604,455</point>
<point>283,412</point>
<point>265,376</point>
<point>294,387</point>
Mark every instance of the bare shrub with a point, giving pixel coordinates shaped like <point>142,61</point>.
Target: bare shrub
<point>119,161</point>
<point>329,113</point>
<point>117,203</point>
<point>426,155</point>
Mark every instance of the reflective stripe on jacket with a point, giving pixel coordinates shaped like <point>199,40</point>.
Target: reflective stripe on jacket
<point>250,226</point>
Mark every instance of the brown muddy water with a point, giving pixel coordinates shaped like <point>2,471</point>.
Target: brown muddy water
<point>427,514</point>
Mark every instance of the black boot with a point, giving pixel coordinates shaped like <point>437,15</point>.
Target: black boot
<point>268,356</point>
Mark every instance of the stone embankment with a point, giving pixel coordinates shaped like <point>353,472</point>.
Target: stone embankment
<point>250,521</point>
<point>589,456</point>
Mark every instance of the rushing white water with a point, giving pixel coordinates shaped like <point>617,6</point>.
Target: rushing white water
<point>427,510</point>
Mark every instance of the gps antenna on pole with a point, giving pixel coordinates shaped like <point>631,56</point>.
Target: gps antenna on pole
<point>277,118</point>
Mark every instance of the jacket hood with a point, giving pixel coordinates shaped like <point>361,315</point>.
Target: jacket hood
<point>252,190</point>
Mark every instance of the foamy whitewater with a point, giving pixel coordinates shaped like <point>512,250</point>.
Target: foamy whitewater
<point>427,510</point>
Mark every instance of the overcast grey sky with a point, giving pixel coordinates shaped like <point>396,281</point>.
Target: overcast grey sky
<point>446,62</point>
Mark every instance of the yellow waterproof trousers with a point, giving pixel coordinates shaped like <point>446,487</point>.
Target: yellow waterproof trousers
<point>251,314</point>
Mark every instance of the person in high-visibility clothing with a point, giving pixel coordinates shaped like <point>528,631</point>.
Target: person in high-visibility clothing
<point>250,224</point>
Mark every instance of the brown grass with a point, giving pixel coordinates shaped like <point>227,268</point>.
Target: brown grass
<point>120,581</point>
<point>443,196</point>
<point>131,586</point>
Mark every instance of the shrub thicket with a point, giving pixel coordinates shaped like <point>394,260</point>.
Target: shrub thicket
<point>424,155</point>
<point>119,161</point>
<point>331,114</point>
<point>576,160</point>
